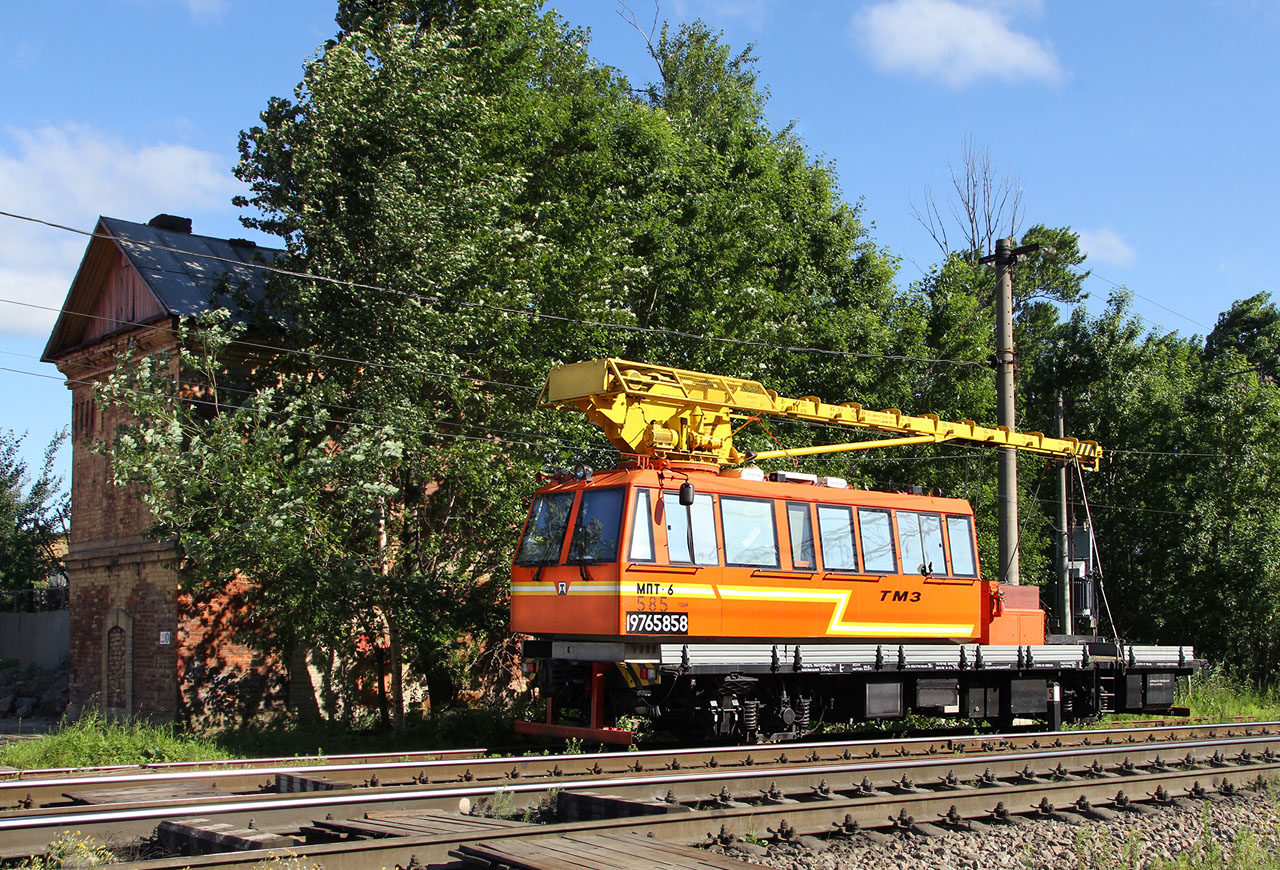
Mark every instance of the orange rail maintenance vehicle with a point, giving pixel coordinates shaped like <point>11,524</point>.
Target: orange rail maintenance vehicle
<point>729,603</point>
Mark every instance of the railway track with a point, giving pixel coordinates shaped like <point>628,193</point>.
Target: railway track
<point>685,795</point>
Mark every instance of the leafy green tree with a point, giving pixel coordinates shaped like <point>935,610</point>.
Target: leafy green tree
<point>1251,328</point>
<point>1184,507</point>
<point>487,201</point>
<point>33,515</point>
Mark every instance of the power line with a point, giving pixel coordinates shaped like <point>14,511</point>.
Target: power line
<point>482,305</point>
<point>544,439</point>
<point>1116,507</point>
<point>1113,452</point>
<point>286,350</point>
<point>1188,455</point>
<point>1128,289</point>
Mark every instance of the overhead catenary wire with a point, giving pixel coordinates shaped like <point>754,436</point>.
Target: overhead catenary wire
<point>537,439</point>
<point>1152,301</point>
<point>159,327</point>
<point>532,440</point>
<point>435,298</point>
<point>1112,452</point>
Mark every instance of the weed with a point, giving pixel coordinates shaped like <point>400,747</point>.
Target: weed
<point>501,805</point>
<point>93,740</point>
<point>71,850</point>
<point>287,861</point>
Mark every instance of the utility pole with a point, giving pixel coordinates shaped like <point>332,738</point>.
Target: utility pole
<point>1066,622</point>
<point>1006,362</point>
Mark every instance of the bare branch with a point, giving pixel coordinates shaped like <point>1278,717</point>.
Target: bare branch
<point>627,14</point>
<point>986,204</point>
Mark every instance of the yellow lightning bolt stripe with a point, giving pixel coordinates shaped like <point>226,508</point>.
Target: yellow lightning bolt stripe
<point>838,599</point>
<point>840,602</point>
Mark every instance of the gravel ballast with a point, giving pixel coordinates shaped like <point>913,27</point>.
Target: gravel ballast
<point>1187,830</point>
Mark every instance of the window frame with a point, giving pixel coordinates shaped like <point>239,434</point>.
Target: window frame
<point>640,492</point>
<point>773,522</point>
<point>849,512</point>
<point>693,557</point>
<point>559,547</point>
<point>893,544</point>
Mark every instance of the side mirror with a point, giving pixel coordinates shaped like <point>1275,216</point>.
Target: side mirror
<point>686,494</point>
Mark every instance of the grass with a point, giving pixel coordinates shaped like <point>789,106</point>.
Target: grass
<point>94,741</point>
<point>1217,693</point>
<point>448,729</point>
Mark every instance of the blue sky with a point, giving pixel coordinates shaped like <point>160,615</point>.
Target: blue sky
<point>1149,127</point>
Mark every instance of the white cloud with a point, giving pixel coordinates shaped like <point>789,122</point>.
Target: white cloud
<point>1105,245</point>
<point>69,175</point>
<point>955,43</point>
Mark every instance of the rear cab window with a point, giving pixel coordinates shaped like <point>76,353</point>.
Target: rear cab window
<point>920,536</point>
<point>960,537</point>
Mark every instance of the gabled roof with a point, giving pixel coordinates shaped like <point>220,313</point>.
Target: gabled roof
<point>183,272</point>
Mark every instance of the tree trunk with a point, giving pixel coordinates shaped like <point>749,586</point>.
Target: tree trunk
<point>397,669</point>
<point>380,659</point>
<point>302,692</point>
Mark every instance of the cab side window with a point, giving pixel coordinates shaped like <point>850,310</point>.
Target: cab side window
<point>835,527</point>
<point>641,549</point>
<point>876,537</point>
<point>691,531</point>
<point>800,526</point>
<point>750,532</point>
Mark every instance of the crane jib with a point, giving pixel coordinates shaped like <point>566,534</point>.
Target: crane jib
<point>652,410</point>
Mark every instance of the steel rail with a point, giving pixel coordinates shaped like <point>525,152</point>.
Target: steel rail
<point>26,831</point>
<point>812,817</point>
<point>216,764</point>
<point>32,790</point>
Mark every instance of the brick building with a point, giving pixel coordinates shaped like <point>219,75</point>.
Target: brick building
<point>139,648</point>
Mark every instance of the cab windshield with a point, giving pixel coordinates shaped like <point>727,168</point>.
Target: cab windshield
<point>595,535</point>
<point>544,533</point>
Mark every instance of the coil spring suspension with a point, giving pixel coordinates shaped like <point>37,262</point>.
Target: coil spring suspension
<point>751,715</point>
<point>802,714</point>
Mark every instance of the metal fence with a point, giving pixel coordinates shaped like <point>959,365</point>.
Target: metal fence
<point>33,600</point>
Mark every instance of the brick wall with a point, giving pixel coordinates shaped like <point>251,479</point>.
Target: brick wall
<point>181,661</point>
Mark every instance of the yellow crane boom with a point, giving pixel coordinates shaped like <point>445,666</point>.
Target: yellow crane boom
<point>682,415</point>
